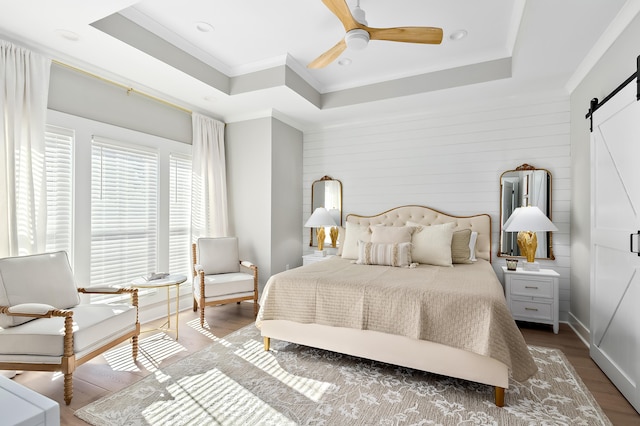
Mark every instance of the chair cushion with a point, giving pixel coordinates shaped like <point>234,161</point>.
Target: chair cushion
<point>224,284</point>
<point>94,325</point>
<point>41,278</point>
<point>218,255</point>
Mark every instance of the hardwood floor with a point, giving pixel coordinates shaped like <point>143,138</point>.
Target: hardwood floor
<point>101,377</point>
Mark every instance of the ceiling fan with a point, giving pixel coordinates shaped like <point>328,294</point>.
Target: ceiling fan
<point>358,33</point>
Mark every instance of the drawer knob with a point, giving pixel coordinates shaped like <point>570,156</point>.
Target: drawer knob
<point>530,309</point>
<point>531,286</point>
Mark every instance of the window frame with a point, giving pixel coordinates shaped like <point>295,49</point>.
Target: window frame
<point>84,130</point>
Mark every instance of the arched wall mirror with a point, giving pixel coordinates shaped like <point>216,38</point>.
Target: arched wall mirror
<point>525,186</point>
<point>326,192</point>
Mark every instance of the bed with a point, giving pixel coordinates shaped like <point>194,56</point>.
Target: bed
<point>450,320</point>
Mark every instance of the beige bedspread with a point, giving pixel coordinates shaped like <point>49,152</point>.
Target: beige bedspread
<point>461,306</point>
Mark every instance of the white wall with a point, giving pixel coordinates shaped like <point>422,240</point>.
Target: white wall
<point>450,161</point>
<point>615,66</point>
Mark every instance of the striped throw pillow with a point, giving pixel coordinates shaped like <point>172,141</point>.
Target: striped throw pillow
<point>388,254</point>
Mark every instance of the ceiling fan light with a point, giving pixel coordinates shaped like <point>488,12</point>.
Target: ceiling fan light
<point>357,39</point>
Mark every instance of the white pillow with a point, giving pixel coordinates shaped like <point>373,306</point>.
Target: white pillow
<point>391,234</point>
<point>432,244</point>
<point>354,233</point>
<point>472,245</point>
<point>388,254</point>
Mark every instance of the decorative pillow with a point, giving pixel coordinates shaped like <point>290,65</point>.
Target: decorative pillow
<point>391,234</point>
<point>218,255</point>
<point>460,249</point>
<point>432,244</point>
<point>388,254</point>
<point>40,278</point>
<point>353,234</point>
<point>472,245</point>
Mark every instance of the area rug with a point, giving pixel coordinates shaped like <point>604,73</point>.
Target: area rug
<point>235,382</point>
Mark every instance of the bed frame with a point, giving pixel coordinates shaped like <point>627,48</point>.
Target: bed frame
<point>400,350</point>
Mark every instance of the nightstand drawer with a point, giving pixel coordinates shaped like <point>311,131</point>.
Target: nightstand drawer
<point>539,287</point>
<point>531,310</point>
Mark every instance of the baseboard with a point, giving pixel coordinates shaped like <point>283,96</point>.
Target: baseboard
<point>159,310</point>
<point>580,329</point>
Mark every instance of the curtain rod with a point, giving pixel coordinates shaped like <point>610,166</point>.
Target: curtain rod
<point>128,89</point>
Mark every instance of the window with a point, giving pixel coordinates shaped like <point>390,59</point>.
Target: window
<point>130,211</point>
<point>124,212</point>
<point>180,214</point>
<point>59,169</point>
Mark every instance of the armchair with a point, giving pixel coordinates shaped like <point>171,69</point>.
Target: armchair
<point>43,325</point>
<point>217,275</point>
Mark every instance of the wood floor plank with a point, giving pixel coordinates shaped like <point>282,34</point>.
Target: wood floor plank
<point>101,377</point>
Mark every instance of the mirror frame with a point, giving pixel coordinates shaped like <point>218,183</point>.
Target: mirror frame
<point>312,242</point>
<point>523,168</point>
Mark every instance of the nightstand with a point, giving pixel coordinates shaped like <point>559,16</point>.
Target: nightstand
<point>533,295</point>
<point>308,259</point>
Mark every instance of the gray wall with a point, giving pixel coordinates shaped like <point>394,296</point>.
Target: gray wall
<point>85,96</point>
<point>264,180</point>
<point>616,65</point>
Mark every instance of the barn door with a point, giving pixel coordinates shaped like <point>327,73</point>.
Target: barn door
<point>615,241</point>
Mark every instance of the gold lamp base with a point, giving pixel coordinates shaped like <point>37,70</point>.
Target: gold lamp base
<point>528,244</point>
<point>320,234</point>
<point>333,233</point>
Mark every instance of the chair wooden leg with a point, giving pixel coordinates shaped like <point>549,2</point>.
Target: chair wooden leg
<point>134,345</point>
<point>202,317</point>
<point>68,388</point>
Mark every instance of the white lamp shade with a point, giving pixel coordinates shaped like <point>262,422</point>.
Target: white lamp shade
<point>320,218</point>
<point>528,218</point>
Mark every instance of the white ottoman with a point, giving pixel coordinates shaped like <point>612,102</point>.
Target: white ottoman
<point>22,406</point>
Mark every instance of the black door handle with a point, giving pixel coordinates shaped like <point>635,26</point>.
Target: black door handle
<point>631,243</point>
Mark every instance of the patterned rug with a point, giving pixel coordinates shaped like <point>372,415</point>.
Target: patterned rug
<point>235,382</point>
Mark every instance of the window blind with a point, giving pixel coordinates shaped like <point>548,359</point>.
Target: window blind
<point>59,168</point>
<point>180,214</point>
<point>124,212</point>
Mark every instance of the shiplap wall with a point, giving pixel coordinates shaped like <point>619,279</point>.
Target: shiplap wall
<point>450,161</point>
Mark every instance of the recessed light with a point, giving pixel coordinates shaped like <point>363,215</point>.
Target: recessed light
<point>69,35</point>
<point>345,62</point>
<point>204,27</point>
<point>458,35</point>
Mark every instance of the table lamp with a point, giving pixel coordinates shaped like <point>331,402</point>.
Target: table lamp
<point>333,232</point>
<point>526,221</point>
<point>319,219</point>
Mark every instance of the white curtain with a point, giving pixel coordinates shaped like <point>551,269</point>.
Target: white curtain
<point>24,87</point>
<point>209,185</point>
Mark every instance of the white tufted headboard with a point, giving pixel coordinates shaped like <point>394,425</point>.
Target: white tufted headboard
<point>399,216</point>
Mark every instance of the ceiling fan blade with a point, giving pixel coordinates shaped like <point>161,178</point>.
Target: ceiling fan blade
<point>329,56</point>
<point>341,10</point>
<point>425,35</point>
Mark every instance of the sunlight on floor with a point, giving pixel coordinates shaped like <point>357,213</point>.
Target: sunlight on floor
<point>254,353</point>
<point>212,397</point>
<point>152,351</point>
<point>195,324</point>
